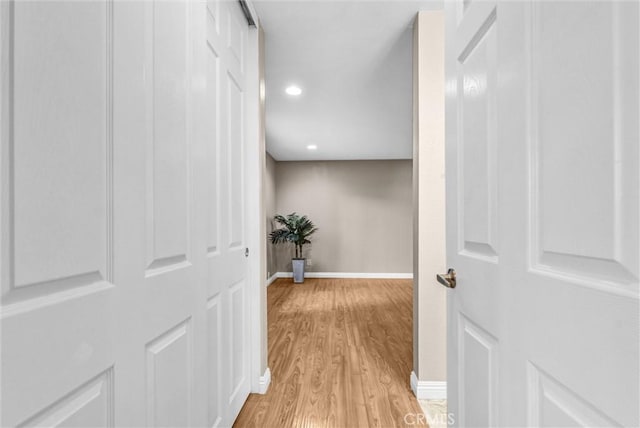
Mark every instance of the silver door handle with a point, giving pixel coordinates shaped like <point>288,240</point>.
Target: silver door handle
<point>447,279</point>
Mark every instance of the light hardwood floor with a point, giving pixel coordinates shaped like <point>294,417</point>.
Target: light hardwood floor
<point>340,353</point>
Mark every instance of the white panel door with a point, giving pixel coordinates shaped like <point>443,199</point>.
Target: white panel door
<point>123,279</point>
<point>224,127</point>
<point>543,212</point>
<point>57,214</point>
<point>157,371</point>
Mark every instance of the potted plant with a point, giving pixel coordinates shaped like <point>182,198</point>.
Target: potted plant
<point>297,230</point>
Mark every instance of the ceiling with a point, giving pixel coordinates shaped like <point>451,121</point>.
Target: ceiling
<point>352,60</point>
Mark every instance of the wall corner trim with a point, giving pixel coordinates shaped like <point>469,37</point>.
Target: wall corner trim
<point>265,381</point>
<point>428,389</point>
<point>349,275</point>
<point>273,278</point>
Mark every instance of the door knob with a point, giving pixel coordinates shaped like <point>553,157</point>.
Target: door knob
<point>447,279</point>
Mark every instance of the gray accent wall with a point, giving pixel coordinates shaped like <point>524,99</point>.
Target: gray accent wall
<point>270,209</point>
<point>363,210</point>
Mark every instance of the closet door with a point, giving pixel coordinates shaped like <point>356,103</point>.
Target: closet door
<point>122,213</point>
<point>226,261</point>
<point>57,214</point>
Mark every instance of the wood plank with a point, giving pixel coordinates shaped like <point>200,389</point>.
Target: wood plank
<point>340,353</point>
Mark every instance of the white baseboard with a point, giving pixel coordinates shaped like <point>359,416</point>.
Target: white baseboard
<point>284,274</point>
<point>349,275</point>
<point>428,389</point>
<point>265,381</point>
<point>272,278</point>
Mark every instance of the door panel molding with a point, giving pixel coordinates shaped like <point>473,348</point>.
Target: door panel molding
<point>569,249</point>
<point>32,216</point>
<point>488,372</point>
<point>97,392</point>
<point>169,380</point>
<point>546,393</point>
<point>477,150</point>
<point>168,166</point>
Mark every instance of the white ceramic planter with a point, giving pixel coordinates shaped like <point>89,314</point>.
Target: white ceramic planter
<point>298,270</point>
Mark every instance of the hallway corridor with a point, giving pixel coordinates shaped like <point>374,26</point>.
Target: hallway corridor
<point>340,355</point>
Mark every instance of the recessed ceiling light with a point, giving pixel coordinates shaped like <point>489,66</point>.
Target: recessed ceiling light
<point>312,147</point>
<point>293,90</point>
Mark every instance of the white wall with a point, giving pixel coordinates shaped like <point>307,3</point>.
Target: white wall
<point>429,320</point>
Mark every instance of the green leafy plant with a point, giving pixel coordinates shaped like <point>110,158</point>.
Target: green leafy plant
<point>297,229</point>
